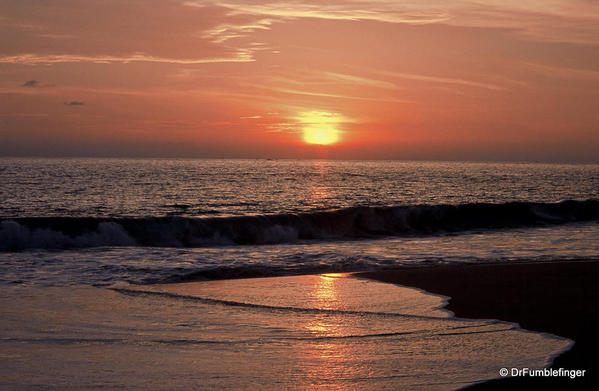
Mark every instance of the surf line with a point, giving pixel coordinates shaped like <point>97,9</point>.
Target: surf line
<point>230,303</point>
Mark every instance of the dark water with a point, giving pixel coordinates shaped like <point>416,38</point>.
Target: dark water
<point>209,188</point>
<point>98,221</point>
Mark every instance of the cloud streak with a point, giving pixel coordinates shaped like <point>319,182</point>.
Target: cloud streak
<point>338,96</point>
<point>31,84</point>
<point>114,31</point>
<point>553,20</point>
<point>207,31</point>
<point>383,11</point>
<point>242,55</point>
<point>442,80</point>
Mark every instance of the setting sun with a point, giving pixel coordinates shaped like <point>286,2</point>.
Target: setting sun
<point>320,127</point>
<point>321,134</point>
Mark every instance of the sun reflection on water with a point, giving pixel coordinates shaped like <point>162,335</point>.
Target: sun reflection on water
<point>330,357</point>
<point>325,290</point>
<point>319,191</point>
<point>325,296</point>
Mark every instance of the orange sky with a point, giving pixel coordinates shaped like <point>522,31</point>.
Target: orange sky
<point>459,80</point>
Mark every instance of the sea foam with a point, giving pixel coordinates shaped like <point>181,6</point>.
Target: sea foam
<point>341,224</point>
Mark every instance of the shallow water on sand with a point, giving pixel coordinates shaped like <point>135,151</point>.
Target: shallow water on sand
<point>304,332</point>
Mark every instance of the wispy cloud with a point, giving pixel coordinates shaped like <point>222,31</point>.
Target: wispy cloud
<point>242,55</point>
<point>554,20</point>
<point>228,31</point>
<point>36,84</point>
<point>350,10</point>
<point>564,72</point>
<point>31,83</point>
<point>360,80</point>
<point>339,96</point>
<point>214,31</point>
<point>23,115</point>
<point>154,31</point>
<point>442,80</point>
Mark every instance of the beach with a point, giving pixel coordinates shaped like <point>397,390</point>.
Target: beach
<point>182,274</point>
<point>553,297</point>
<point>307,332</point>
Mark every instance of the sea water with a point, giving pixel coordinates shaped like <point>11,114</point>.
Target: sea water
<point>93,251</point>
<point>323,332</point>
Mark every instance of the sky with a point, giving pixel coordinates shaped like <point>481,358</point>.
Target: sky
<point>357,79</point>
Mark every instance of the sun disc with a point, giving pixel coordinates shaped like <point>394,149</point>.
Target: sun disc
<point>320,127</point>
<point>322,135</point>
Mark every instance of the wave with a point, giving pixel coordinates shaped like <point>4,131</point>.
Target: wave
<point>304,310</point>
<point>342,224</point>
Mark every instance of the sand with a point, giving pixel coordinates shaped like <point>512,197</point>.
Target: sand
<point>561,298</point>
<point>316,332</point>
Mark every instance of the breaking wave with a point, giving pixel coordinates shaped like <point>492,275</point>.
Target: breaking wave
<point>342,224</point>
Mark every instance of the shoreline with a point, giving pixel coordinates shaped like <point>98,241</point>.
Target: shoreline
<point>558,297</point>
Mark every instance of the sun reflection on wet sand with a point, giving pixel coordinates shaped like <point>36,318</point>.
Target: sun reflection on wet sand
<point>331,367</point>
<point>325,295</point>
<point>329,356</point>
<point>325,290</point>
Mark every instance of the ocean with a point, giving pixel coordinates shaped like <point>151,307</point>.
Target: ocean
<point>233,274</point>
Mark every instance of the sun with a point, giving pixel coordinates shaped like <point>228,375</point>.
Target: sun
<point>320,127</point>
<point>321,134</point>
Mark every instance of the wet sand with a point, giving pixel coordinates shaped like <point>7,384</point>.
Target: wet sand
<point>561,298</point>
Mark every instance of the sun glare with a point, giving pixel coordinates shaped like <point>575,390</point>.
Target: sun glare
<point>321,134</point>
<point>320,127</point>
